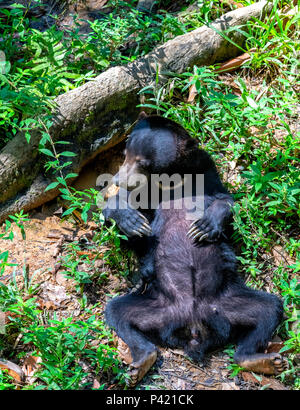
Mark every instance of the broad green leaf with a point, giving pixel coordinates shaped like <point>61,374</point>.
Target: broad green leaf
<point>51,186</point>
<point>68,154</point>
<point>47,152</point>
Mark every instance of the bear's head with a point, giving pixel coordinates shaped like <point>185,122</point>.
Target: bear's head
<point>154,146</point>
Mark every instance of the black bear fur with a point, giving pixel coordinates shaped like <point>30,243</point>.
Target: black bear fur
<point>194,299</point>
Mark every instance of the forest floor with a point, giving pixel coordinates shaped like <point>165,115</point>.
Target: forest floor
<point>57,296</point>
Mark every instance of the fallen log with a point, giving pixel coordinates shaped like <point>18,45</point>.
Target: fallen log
<point>96,115</point>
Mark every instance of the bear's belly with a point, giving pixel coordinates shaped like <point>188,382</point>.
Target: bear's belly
<point>186,269</point>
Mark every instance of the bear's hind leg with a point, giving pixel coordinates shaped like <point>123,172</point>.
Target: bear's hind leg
<point>122,314</point>
<point>138,319</point>
<point>258,314</point>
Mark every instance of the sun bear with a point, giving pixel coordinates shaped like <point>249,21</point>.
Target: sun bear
<point>194,298</point>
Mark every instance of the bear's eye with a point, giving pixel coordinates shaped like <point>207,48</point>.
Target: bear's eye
<point>143,162</point>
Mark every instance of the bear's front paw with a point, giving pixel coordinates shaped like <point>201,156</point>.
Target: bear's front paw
<point>205,229</point>
<point>135,224</point>
<point>147,273</point>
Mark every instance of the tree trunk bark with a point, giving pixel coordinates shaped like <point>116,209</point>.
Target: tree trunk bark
<point>96,115</point>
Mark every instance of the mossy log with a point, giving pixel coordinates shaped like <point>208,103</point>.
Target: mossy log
<point>96,115</point>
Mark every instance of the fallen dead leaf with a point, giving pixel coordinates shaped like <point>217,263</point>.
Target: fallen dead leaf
<point>90,255</point>
<point>263,381</point>
<point>58,211</point>
<point>54,293</point>
<point>92,225</point>
<point>233,63</point>
<point>62,280</point>
<point>281,257</point>
<point>192,93</point>
<point>55,234</point>
<point>180,384</point>
<point>233,3</point>
<point>46,304</point>
<point>274,347</point>
<point>229,386</point>
<point>178,351</point>
<point>96,384</point>
<point>124,351</point>
<point>98,3</point>
<point>30,366</point>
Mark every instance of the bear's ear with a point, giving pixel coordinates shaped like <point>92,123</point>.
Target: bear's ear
<point>142,115</point>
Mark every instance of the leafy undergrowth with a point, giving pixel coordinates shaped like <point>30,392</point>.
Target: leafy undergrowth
<point>36,66</point>
<point>53,295</point>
